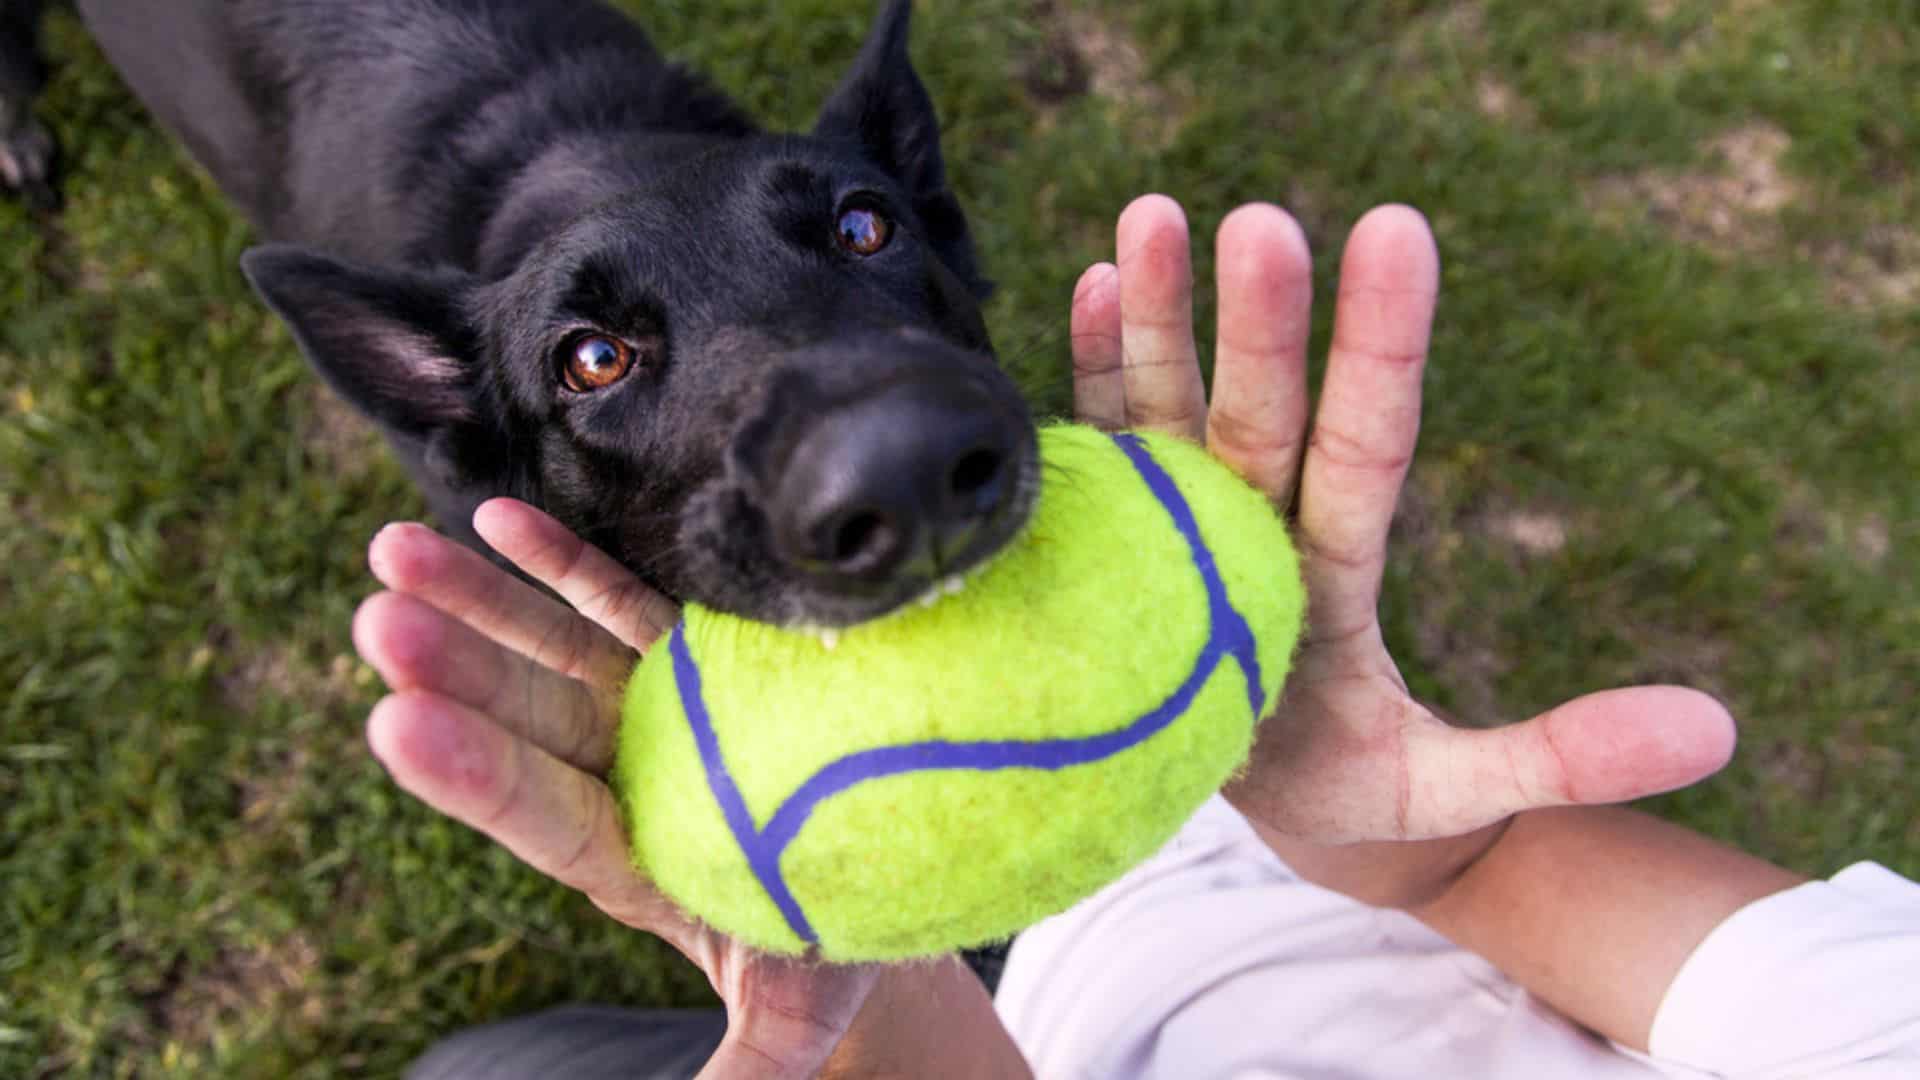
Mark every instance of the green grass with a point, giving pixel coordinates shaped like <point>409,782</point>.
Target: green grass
<point>1655,448</point>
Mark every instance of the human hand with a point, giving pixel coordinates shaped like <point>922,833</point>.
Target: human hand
<point>1349,756</point>
<point>502,715</point>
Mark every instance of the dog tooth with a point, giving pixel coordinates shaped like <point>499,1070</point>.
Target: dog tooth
<point>929,598</point>
<point>953,584</point>
<point>829,638</point>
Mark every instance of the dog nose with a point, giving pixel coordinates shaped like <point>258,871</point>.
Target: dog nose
<point>896,486</point>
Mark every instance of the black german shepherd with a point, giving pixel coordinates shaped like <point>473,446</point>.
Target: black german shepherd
<point>549,264</point>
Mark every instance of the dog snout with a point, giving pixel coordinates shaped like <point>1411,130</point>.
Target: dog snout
<point>898,487</point>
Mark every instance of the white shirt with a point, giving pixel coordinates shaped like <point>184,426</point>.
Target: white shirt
<point>1213,959</point>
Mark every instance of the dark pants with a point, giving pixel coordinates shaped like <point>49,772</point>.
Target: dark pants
<point>579,1042</point>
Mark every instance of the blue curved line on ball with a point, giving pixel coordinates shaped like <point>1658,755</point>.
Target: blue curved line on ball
<point>1229,636</point>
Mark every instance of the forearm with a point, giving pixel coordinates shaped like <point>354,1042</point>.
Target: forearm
<point>927,1019</point>
<point>1594,909</point>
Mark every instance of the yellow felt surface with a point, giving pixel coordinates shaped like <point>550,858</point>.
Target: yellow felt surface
<point>1090,619</point>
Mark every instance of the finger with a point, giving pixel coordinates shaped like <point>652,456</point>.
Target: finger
<point>416,646</point>
<point>555,818</point>
<point>415,560</point>
<point>1099,386</point>
<point>1369,415</point>
<point>1608,747</point>
<point>1257,420</point>
<point>1161,370</point>
<point>585,576</point>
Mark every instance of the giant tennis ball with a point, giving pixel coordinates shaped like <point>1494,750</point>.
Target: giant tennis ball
<point>950,774</point>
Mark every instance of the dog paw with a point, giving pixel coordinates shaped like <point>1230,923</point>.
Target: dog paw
<point>26,163</point>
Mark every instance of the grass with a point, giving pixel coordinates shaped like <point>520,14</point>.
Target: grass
<point>1669,436</point>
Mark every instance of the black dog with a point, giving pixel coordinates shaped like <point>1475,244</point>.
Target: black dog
<point>549,264</point>
<point>26,151</point>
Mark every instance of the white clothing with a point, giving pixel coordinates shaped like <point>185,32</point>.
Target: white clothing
<point>1213,959</point>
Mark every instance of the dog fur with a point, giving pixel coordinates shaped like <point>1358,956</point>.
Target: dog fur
<point>454,191</point>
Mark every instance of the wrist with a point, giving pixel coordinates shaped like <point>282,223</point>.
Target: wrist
<point>1456,862</point>
<point>1409,875</point>
<point>927,1012</point>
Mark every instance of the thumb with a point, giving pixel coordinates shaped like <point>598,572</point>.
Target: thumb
<point>1608,747</point>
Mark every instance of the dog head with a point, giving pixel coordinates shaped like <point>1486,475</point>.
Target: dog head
<point>761,380</point>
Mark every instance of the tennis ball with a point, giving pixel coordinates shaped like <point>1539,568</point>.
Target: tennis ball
<point>950,774</point>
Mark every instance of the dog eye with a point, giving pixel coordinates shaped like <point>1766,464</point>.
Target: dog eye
<point>863,230</point>
<point>594,362</point>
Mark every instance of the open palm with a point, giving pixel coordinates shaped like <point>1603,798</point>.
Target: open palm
<point>1348,756</point>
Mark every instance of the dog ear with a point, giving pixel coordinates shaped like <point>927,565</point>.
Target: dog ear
<point>882,104</point>
<point>393,342</point>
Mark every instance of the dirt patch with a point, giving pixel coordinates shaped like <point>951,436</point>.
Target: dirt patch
<point>1606,49</point>
<point>1531,532</point>
<point>1083,52</point>
<point>1662,10</point>
<point>1527,530</point>
<point>1872,540</point>
<point>1450,31</point>
<point>1685,656</point>
<point>272,979</point>
<point>336,434</point>
<point>1727,208</point>
<point>1866,538</point>
<point>1810,525</point>
<point>1498,101</point>
<point>1464,22</point>
<point>278,670</point>
<point>1797,768</point>
<point>272,793</point>
<point>1056,72</point>
<point>1732,206</point>
<point>1860,742</point>
<point>1434,48</point>
<point>1753,153</point>
<point>1116,69</point>
<point>1881,270</point>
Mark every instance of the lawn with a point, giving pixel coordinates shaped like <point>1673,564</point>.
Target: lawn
<point>1670,436</point>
